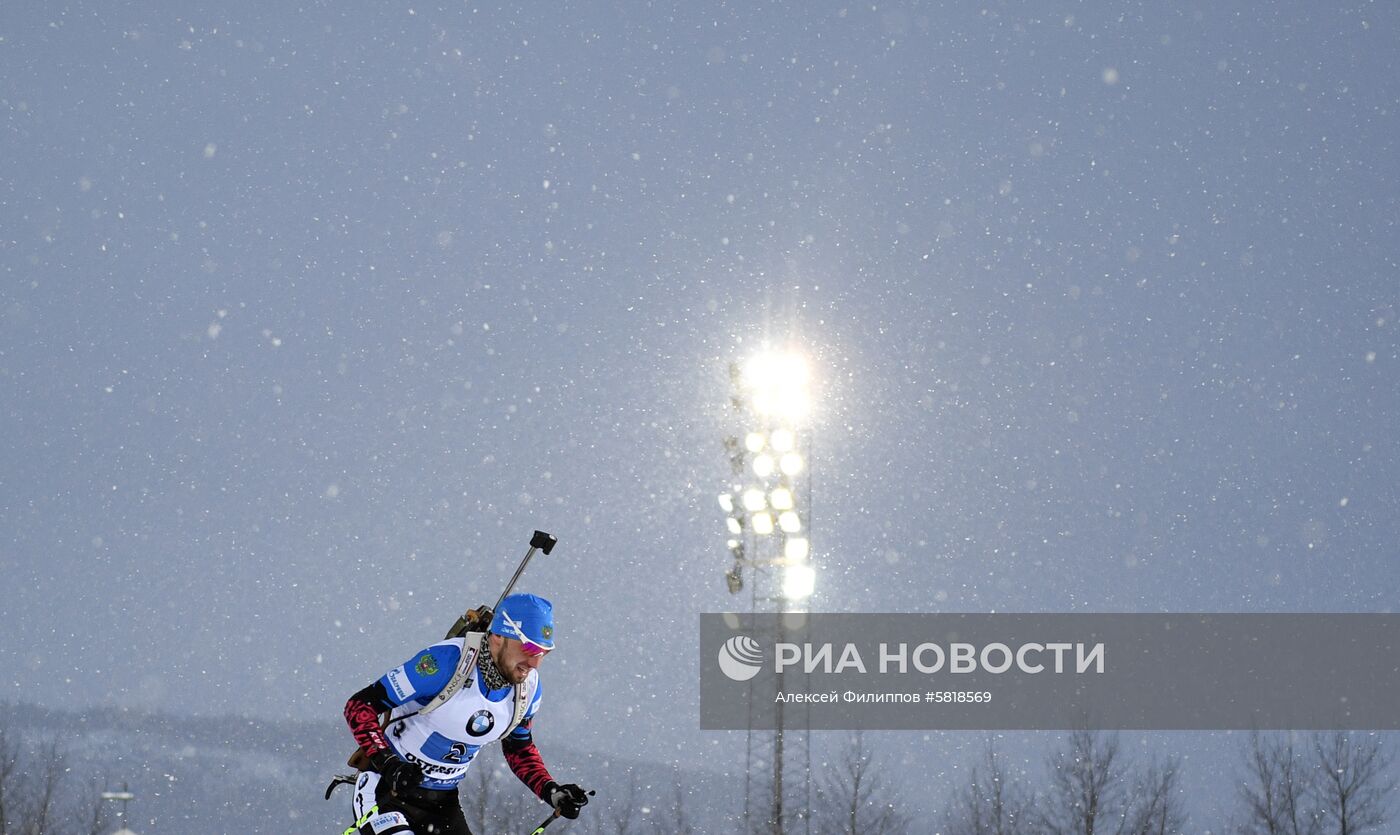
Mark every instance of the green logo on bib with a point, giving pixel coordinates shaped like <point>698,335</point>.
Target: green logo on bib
<point>427,665</point>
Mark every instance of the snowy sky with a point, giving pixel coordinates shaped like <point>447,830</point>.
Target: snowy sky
<point>311,313</point>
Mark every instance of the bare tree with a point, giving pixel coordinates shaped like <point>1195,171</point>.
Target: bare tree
<point>1354,781</point>
<point>493,799</point>
<point>1156,807</point>
<point>9,775</point>
<point>91,814</point>
<point>1279,792</point>
<point>477,792</point>
<point>40,794</point>
<point>1095,789</point>
<point>624,814</point>
<point>49,771</point>
<point>853,796</point>
<point>991,802</point>
<point>673,820</point>
<point>1087,792</point>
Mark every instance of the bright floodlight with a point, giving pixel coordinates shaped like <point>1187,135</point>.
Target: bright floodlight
<point>762,371</point>
<point>754,441</point>
<point>734,526</point>
<point>781,499</point>
<point>763,466</point>
<point>799,581</point>
<point>786,402</point>
<point>796,549</point>
<point>788,521</point>
<point>771,370</point>
<point>762,523</point>
<point>754,501</point>
<point>791,463</point>
<point>778,383</point>
<point>782,440</point>
<point>726,502</point>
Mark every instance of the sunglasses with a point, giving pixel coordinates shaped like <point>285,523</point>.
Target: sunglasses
<point>533,649</point>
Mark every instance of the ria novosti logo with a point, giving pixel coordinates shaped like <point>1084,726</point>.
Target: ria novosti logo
<point>740,658</point>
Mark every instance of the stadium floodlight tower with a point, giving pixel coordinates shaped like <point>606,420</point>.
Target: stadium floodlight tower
<point>123,797</point>
<point>766,525</point>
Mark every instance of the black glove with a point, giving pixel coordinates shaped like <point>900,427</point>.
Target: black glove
<point>397,775</point>
<point>567,799</point>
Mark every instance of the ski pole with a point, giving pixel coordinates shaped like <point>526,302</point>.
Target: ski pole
<point>547,821</point>
<point>555,815</point>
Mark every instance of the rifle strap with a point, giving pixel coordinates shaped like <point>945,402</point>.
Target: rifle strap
<point>466,665</point>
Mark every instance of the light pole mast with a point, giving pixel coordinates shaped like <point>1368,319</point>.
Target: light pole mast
<point>124,797</point>
<point>764,511</point>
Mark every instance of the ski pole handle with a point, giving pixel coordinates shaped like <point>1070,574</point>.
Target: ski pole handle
<point>555,815</point>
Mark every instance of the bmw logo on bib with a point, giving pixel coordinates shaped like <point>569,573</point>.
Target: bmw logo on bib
<point>481,723</point>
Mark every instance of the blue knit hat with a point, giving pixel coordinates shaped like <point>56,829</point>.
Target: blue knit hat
<point>525,617</point>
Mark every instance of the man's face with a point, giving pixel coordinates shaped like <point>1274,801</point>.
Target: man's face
<point>512,660</point>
